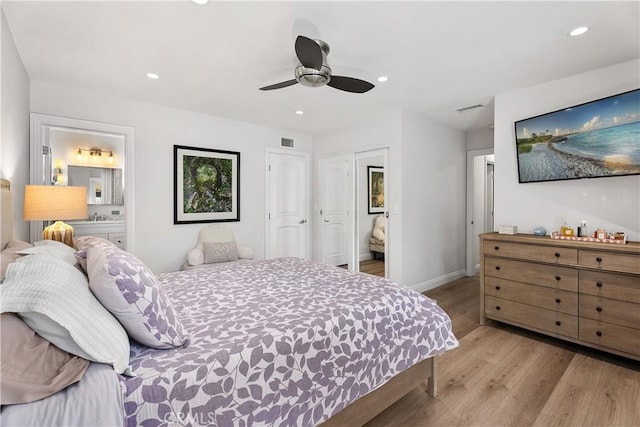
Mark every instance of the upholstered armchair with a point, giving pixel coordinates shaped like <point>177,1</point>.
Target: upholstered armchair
<point>376,242</point>
<point>216,244</point>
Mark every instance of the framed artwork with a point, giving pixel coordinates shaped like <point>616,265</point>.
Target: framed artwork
<point>206,185</point>
<point>375,181</point>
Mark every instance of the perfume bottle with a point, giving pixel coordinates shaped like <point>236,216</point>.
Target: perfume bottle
<point>582,229</point>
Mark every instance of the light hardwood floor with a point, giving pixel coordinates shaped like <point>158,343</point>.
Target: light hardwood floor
<point>372,266</point>
<point>505,376</point>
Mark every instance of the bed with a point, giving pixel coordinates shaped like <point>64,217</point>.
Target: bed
<point>285,342</point>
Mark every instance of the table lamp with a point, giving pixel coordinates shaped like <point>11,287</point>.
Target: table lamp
<point>49,202</point>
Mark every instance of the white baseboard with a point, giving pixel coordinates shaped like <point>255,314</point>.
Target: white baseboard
<point>365,257</point>
<point>438,281</point>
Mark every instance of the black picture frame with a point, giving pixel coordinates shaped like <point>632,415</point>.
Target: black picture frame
<point>206,185</point>
<point>375,185</point>
<point>595,139</point>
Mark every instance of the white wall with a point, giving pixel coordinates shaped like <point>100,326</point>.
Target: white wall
<point>14,148</point>
<point>365,220</point>
<point>613,203</point>
<point>478,139</point>
<point>368,134</point>
<point>427,172</point>
<point>434,202</point>
<point>158,242</point>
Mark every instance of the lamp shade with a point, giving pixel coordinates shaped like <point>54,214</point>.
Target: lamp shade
<point>49,202</point>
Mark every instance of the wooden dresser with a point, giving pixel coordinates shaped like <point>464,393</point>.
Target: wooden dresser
<point>583,292</point>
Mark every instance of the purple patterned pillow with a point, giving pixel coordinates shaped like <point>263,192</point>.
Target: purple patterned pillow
<point>130,291</point>
<point>85,242</point>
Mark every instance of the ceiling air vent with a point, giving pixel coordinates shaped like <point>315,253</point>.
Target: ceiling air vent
<point>470,107</point>
<point>286,142</point>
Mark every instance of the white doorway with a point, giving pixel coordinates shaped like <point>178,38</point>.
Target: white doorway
<point>480,196</point>
<point>287,198</point>
<point>365,216</point>
<point>335,209</point>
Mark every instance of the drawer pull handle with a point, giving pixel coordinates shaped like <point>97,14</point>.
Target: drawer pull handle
<point>599,284</point>
<point>599,309</point>
<point>558,278</point>
<point>598,333</point>
<point>558,323</point>
<point>497,248</point>
<point>497,307</point>
<point>557,255</point>
<point>599,259</point>
<point>497,288</point>
<point>558,300</point>
<point>497,267</point>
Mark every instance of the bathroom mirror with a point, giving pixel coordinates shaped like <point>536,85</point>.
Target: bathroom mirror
<point>104,185</point>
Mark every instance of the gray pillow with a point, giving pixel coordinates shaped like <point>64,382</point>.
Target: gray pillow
<point>52,247</point>
<point>54,299</point>
<point>219,252</point>
<point>32,368</point>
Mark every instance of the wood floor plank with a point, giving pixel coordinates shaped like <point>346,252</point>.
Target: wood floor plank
<point>594,393</point>
<point>506,376</point>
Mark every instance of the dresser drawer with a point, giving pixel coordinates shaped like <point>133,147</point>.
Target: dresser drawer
<point>566,256</point>
<point>529,316</point>
<point>609,261</point>
<point>539,296</point>
<point>551,276</point>
<point>610,285</point>
<point>610,311</point>
<point>607,335</point>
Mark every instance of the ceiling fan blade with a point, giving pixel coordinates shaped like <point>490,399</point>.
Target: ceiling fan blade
<point>308,52</point>
<point>280,85</point>
<point>350,84</point>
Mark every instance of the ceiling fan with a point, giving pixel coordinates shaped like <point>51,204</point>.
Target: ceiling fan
<point>314,71</point>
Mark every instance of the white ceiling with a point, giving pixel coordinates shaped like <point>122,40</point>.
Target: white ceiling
<point>212,59</point>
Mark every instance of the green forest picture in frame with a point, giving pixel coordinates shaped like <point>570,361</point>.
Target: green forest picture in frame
<point>206,185</point>
<point>375,179</point>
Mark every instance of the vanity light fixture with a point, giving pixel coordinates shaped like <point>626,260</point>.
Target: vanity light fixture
<point>95,154</point>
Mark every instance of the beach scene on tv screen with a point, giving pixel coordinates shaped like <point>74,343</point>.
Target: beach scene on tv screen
<point>599,138</point>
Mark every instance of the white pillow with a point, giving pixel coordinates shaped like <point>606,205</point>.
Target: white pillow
<point>54,299</point>
<point>54,248</point>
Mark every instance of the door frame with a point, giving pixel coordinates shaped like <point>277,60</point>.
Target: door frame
<point>365,154</point>
<point>470,240</point>
<point>39,135</point>
<point>267,222</point>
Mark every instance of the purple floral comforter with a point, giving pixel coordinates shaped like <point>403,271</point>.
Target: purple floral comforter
<point>284,342</point>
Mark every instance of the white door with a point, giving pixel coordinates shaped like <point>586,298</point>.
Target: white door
<point>287,200</point>
<point>334,210</point>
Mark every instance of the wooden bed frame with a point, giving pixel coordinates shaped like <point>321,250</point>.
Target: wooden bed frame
<point>372,404</point>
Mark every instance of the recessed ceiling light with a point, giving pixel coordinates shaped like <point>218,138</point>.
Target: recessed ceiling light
<point>153,76</point>
<point>578,31</point>
<point>299,112</point>
<point>200,1</point>
<point>383,79</point>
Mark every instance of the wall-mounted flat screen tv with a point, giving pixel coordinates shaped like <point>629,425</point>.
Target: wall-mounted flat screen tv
<point>597,139</point>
